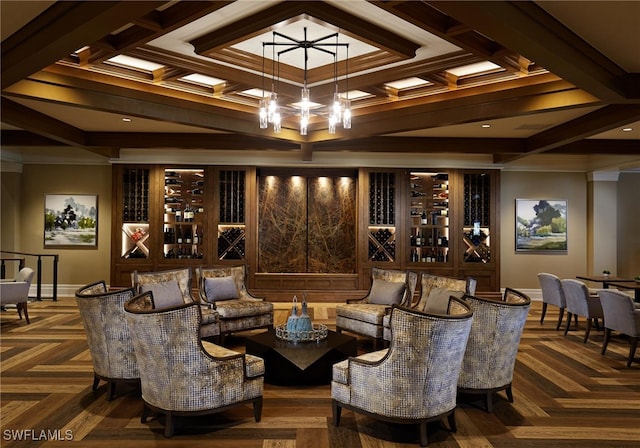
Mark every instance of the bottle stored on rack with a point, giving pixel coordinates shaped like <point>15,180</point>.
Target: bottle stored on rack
<point>423,218</point>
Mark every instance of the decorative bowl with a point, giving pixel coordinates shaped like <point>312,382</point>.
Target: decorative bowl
<point>318,333</point>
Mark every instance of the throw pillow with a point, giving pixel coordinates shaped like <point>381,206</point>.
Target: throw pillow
<point>438,300</point>
<point>386,293</point>
<point>220,288</point>
<point>165,294</point>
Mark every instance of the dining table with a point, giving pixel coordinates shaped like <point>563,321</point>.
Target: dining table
<point>615,282</point>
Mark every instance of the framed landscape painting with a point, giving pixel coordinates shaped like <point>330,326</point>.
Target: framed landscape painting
<point>541,225</point>
<point>71,220</point>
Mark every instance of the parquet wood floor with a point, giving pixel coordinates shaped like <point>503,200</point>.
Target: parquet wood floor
<point>566,394</point>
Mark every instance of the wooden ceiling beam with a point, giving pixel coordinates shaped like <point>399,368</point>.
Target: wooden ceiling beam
<point>60,30</point>
<point>269,18</point>
<point>38,123</point>
<point>527,29</point>
<point>572,131</point>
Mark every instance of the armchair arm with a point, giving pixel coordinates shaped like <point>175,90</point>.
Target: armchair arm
<point>14,292</point>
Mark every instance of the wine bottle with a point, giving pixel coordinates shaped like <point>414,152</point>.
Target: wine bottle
<point>423,218</point>
<point>179,235</point>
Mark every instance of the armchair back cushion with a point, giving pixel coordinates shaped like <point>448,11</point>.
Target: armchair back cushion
<point>386,292</point>
<point>165,294</point>
<point>181,276</point>
<point>220,288</point>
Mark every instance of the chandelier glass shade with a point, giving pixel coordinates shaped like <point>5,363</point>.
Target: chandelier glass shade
<point>338,112</point>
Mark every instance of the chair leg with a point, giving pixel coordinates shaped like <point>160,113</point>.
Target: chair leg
<point>632,350</point>
<point>168,428</point>
<point>588,330</point>
<point>145,414</point>
<point>337,411</point>
<point>605,342</point>
<point>452,421</point>
<point>544,311</point>
<point>26,312</point>
<point>509,393</point>
<point>560,316</point>
<point>257,409</point>
<point>489,402</point>
<point>96,381</point>
<point>111,391</point>
<point>424,441</point>
<point>566,330</point>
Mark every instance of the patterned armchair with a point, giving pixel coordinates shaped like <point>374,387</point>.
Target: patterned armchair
<point>415,379</point>
<point>365,316</point>
<point>490,358</point>
<point>434,295</point>
<point>620,314</point>
<point>171,288</point>
<point>224,290</point>
<point>108,337</point>
<point>180,374</point>
<point>16,292</point>
<point>581,303</point>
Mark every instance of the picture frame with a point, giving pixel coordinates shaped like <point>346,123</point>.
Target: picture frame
<point>541,225</point>
<point>71,221</point>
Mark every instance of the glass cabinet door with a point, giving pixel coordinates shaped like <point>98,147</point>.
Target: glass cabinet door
<point>476,233</point>
<point>428,217</point>
<point>135,213</point>
<point>382,231</point>
<point>184,212</point>
<point>231,220</point>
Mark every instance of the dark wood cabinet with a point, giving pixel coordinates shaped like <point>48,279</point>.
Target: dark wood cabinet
<point>436,221</point>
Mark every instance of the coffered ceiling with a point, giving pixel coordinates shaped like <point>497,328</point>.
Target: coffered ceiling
<point>556,82</point>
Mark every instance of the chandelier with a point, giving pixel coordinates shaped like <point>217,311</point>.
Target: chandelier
<point>339,112</point>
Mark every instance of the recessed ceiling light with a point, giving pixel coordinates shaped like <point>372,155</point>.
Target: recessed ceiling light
<point>475,69</point>
<point>486,125</point>
<point>408,83</point>
<point>129,62</point>
<point>203,80</point>
<point>126,120</point>
<point>627,129</point>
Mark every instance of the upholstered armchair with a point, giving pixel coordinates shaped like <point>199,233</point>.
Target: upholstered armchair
<point>171,288</point>
<point>224,290</point>
<point>365,316</point>
<point>108,337</point>
<point>180,374</point>
<point>552,294</point>
<point>620,314</point>
<point>16,292</point>
<point>414,380</point>
<point>434,295</point>
<point>581,303</point>
<point>490,357</point>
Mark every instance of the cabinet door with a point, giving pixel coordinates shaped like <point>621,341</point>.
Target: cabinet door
<point>184,214</point>
<point>135,236</point>
<point>428,230</point>
<point>381,231</point>
<point>476,218</point>
<point>232,185</point>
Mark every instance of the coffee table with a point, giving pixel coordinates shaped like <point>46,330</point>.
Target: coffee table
<point>300,362</point>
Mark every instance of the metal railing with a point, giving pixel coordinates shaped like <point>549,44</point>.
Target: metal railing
<point>20,259</point>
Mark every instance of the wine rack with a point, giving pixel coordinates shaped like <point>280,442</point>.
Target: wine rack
<point>135,200</point>
<point>135,213</point>
<point>382,198</point>
<point>381,231</point>
<point>428,217</point>
<point>231,226</point>
<point>476,218</point>
<point>184,192</point>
